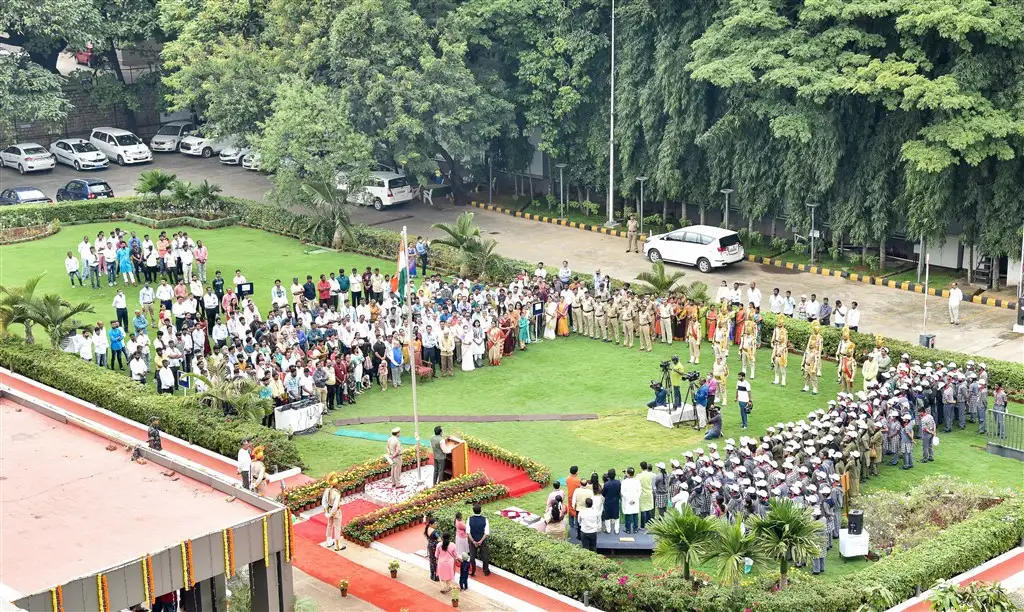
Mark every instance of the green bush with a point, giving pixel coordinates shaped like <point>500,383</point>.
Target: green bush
<point>1010,374</point>
<point>119,394</point>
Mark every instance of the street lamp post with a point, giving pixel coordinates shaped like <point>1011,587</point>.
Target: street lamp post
<point>490,181</point>
<point>725,218</point>
<point>611,135</point>
<point>641,180</point>
<point>561,191</point>
<point>812,206</point>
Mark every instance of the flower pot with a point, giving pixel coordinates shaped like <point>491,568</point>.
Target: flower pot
<point>455,603</point>
<point>394,573</point>
<point>344,592</point>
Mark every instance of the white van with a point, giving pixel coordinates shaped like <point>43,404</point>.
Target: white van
<point>704,246</point>
<point>120,145</point>
<point>382,189</point>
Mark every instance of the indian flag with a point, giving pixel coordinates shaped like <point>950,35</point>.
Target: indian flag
<point>401,277</point>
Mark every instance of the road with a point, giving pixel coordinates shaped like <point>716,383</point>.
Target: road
<point>985,330</point>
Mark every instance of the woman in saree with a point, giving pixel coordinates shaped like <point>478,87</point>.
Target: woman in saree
<point>759,322</point>
<point>550,319</point>
<point>524,328</point>
<point>495,342</point>
<point>737,329</point>
<point>679,319</point>
<point>509,325</point>
<point>562,327</point>
<point>712,319</point>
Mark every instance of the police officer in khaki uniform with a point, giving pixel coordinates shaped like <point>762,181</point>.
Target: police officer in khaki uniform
<point>646,319</point>
<point>665,312</point>
<point>626,312</point>
<point>601,319</point>
<point>631,234</point>
<point>587,305</point>
<point>614,308</point>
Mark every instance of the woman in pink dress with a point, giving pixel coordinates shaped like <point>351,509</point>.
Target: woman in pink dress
<point>461,539</point>
<point>446,556</point>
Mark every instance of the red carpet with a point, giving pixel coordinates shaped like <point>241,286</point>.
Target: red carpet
<point>378,589</point>
<point>515,479</point>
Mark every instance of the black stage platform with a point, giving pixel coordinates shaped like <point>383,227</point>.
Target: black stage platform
<point>622,544</point>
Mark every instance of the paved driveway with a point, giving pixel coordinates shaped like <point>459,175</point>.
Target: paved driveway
<point>985,330</point>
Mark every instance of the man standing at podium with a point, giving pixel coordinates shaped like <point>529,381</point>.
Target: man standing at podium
<point>440,455</point>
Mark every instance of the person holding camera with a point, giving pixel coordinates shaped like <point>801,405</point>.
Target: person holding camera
<point>676,372</point>
<point>743,397</point>
<point>660,395</point>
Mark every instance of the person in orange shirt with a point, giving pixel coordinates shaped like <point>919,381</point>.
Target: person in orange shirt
<point>572,482</point>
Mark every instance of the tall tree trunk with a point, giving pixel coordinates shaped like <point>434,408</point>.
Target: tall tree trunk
<point>702,214</point>
<point>29,336</point>
<point>337,242</point>
<point>664,210</point>
<point>881,254</point>
<point>970,264</point>
<point>783,573</point>
<point>531,187</point>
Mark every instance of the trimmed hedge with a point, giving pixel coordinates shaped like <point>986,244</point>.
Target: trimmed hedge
<point>571,570</point>
<point>119,394</point>
<point>384,244</point>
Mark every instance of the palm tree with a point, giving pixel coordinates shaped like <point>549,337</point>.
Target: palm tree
<point>697,292</point>
<point>155,182</point>
<point>787,532</point>
<point>205,195</point>
<point>462,236</point>
<point>682,538</point>
<point>484,255</point>
<point>181,194</point>
<point>56,315</point>
<point>13,307</point>
<point>658,281</point>
<point>229,395</point>
<point>328,208</point>
<point>731,550</point>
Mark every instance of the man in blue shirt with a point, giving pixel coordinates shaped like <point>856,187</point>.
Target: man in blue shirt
<point>140,323</point>
<point>422,251</point>
<point>116,337</point>
<point>660,395</point>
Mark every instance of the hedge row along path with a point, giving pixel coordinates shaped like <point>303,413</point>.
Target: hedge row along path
<point>463,418</point>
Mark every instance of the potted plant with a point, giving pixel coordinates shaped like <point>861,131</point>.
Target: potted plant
<point>393,568</point>
<point>455,597</point>
<point>343,587</point>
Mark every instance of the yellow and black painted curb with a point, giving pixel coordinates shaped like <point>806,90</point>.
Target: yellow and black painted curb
<point>767,261</point>
<point>881,282</point>
<point>600,229</point>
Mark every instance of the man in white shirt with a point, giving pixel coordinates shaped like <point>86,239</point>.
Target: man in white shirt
<point>955,297</point>
<point>776,302</point>
<point>244,463</point>
<point>165,293</point>
<point>239,279</point>
<point>72,268</point>
<point>211,305</point>
<point>813,308</point>
<point>631,489</point>
<point>853,317</point>
<point>839,315</point>
<point>165,378</point>
<point>355,285</point>
<point>735,297</point>
<point>85,345</point>
<point>541,273</point>
<point>186,258</point>
<point>219,334</point>
<point>754,294</point>
<point>590,522</point>
<point>565,273</point>
<point>138,367</point>
<point>84,248</point>
<point>179,309</point>
<point>100,345</point>
<point>723,293</point>
<point>743,396</point>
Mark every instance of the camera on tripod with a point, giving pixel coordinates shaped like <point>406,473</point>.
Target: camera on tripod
<point>665,365</point>
<point>693,376</point>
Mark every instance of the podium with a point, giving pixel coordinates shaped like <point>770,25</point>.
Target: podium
<point>457,462</point>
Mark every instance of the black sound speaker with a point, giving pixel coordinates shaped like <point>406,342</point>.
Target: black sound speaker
<point>855,522</point>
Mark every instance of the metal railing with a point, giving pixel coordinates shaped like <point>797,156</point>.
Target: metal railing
<point>1004,433</point>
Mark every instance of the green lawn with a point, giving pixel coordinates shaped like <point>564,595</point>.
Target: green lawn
<point>564,375</point>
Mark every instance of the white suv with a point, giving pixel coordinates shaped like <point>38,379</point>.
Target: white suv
<point>120,145</point>
<point>382,189</point>
<point>197,144</point>
<point>704,246</point>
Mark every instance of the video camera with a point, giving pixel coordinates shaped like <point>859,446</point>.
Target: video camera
<point>665,365</point>
<point>693,376</point>
<point>655,385</point>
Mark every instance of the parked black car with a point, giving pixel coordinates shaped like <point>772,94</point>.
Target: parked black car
<point>85,189</point>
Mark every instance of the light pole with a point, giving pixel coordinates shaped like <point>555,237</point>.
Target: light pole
<point>641,180</point>
<point>812,206</point>
<point>725,218</point>
<point>490,181</point>
<point>921,256</point>
<point>611,135</point>
<point>561,191</point>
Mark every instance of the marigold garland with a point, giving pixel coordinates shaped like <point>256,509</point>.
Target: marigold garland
<point>60,598</point>
<point>99,593</point>
<point>291,536</point>
<point>149,579</point>
<point>145,580</point>
<point>184,565</point>
<point>287,536</point>
<point>53,598</point>
<point>106,593</point>
<point>191,567</point>
<point>231,548</point>
<point>227,556</point>
<point>266,543</point>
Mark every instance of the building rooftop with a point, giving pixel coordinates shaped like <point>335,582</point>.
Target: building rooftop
<point>69,507</point>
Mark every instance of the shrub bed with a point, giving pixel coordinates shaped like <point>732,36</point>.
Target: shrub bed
<point>119,394</point>
<point>537,472</point>
<point>14,235</point>
<point>571,570</point>
<point>474,488</point>
<point>385,244</point>
<point>352,480</point>
<point>161,221</point>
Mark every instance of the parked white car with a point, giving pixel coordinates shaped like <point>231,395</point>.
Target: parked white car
<point>79,153</point>
<point>120,145</point>
<point>251,161</point>
<point>704,246</point>
<point>234,155</point>
<point>27,157</point>
<point>382,189</point>
<point>199,145</point>
<point>169,136</point>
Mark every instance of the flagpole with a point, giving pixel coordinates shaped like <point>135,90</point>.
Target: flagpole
<point>409,338</point>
